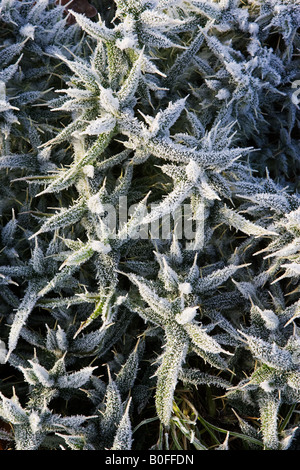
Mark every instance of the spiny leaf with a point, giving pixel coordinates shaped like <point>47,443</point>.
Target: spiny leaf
<point>167,375</point>
<point>123,437</point>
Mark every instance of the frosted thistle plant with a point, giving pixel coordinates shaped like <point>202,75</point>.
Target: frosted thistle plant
<point>149,225</point>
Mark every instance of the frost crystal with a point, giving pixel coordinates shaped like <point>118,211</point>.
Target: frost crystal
<point>27,31</point>
<point>185,288</point>
<point>187,315</point>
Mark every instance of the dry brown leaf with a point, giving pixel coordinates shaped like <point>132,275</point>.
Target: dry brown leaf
<point>79,6</point>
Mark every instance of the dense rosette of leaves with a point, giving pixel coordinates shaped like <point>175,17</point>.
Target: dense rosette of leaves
<point>186,112</point>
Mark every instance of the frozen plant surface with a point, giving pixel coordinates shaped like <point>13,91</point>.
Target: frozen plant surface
<point>108,330</point>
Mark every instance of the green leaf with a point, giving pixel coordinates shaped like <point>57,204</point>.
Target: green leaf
<point>172,359</point>
<point>239,222</point>
<point>126,376</point>
<point>112,415</point>
<point>68,177</point>
<point>63,218</point>
<point>129,87</point>
<point>97,30</point>
<point>123,437</point>
<point>203,340</point>
<point>269,407</point>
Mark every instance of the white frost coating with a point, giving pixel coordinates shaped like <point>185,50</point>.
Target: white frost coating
<point>253,28</point>
<point>35,421</point>
<point>223,94</point>
<point>185,288</point>
<point>27,31</point>
<point>2,90</point>
<point>88,170</point>
<point>100,247</point>
<point>126,43</point>
<point>120,299</point>
<point>193,171</point>
<point>265,385</point>
<point>109,102</point>
<point>101,125</point>
<point>95,205</point>
<point>42,374</point>
<point>3,352</point>
<point>270,319</point>
<point>187,315</point>
<point>296,357</point>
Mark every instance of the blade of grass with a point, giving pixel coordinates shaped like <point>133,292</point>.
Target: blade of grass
<point>210,427</point>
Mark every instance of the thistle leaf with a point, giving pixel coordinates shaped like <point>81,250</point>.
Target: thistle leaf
<point>63,218</point>
<point>96,30</point>
<point>269,407</point>
<point>123,437</point>
<point>129,87</point>
<point>202,340</point>
<point>167,375</point>
<point>239,222</point>
<point>113,411</point>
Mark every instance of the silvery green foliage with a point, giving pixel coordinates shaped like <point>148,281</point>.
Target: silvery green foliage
<point>164,104</point>
<point>32,426</point>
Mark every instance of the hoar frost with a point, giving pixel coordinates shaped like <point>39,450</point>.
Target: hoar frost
<point>187,105</point>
